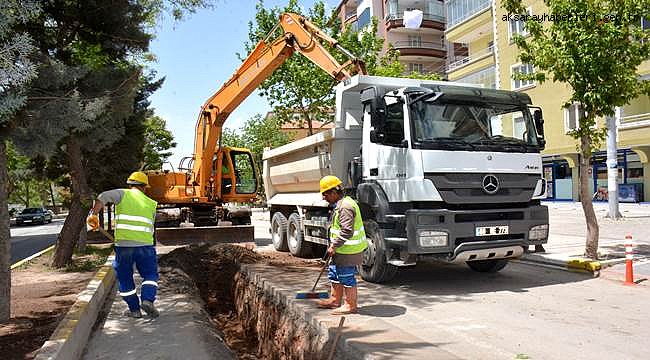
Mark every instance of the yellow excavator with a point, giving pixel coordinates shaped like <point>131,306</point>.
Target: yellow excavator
<point>216,175</point>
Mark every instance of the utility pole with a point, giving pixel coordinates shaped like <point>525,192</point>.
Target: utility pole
<point>612,166</point>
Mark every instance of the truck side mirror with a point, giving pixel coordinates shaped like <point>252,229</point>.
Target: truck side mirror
<point>539,121</point>
<point>539,126</point>
<point>371,96</point>
<point>376,136</point>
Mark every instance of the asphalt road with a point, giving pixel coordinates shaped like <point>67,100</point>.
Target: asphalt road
<point>524,311</point>
<point>30,239</point>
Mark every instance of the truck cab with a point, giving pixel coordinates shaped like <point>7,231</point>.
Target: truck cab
<point>441,171</point>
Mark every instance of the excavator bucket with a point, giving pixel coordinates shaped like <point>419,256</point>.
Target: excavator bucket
<point>205,234</point>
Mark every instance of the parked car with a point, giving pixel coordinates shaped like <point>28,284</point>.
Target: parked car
<point>34,215</point>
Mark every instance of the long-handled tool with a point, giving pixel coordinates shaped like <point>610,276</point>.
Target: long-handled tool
<point>106,233</point>
<point>336,338</point>
<point>316,294</point>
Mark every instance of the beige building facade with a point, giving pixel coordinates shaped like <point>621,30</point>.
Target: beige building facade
<point>491,59</point>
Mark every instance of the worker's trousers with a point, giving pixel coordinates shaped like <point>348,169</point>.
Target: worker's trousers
<point>145,260</point>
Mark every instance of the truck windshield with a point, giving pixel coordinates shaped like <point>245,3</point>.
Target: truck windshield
<point>472,126</point>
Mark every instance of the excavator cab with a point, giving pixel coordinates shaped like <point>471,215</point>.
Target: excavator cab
<point>235,175</point>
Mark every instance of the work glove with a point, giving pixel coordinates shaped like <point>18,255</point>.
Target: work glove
<point>93,222</point>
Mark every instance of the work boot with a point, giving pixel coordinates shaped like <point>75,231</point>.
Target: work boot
<point>133,314</point>
<point>150,309</point>
<point>350,305</point>
<point>335,300</point>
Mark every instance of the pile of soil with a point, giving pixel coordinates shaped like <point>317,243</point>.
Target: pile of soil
<point>40,298</point>
<point>213,270</point>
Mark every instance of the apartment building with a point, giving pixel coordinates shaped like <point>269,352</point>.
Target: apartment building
<point>422,49</point>
<point>483,53</point>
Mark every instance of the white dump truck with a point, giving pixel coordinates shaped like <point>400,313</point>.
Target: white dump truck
<point>441,171</point>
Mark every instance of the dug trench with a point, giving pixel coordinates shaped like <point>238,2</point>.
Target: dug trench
<point>252,322</point>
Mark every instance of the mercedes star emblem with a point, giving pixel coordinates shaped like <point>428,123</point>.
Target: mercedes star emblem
<point>490,184</point>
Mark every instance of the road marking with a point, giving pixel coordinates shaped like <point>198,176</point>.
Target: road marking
<point>23,261</point>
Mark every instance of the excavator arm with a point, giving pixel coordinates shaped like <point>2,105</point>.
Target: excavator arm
<point>299,35</point>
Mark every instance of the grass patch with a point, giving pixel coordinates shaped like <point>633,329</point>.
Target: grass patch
<point>90,260</point>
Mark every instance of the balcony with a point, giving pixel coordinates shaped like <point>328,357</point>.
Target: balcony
<point>475,56</point>
<point>460,10</point>
<point>433,13</point>
<point>635,121</point>
<point>420,48</point>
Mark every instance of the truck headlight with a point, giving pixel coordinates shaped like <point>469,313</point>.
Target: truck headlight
<point>430,238</point>
<point>538,232</point>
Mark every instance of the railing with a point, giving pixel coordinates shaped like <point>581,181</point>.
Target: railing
<point>460,10</point>
<point>427,69</point>
<point>637,120</point>
<point>400,15</point>
<point>438,45</point>
<point>467,59</point>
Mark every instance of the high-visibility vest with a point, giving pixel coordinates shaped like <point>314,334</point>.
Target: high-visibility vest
<point>357,243</point>
<point>134,217</point>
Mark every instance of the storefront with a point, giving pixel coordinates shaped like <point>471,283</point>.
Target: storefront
<point>562,179</point>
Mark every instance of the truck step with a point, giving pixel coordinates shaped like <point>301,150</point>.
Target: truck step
<point>205,234</point>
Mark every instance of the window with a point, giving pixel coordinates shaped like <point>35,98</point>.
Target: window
<point>245,181</point>
<point>572,116</point>
<point>518,126</point>
<point>518,27</point>
<point>416,67</point>
<point>363,19</point>
<point>645,23</point>
<point>415,40</point>
<point>521,69</point>
<point>393,128</point>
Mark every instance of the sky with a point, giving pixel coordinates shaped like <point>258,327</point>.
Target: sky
<point>196,56</point>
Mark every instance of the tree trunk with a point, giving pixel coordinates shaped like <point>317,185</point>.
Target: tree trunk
<point>310,128</point>
<point>591,245</point>
<point>612,169</point>
<point>54,207</point>
<point>78,208</point>
<point>5,240</point>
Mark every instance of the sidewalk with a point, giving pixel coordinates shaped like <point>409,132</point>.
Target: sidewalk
<point>568,230</point>
<point>183,332</point>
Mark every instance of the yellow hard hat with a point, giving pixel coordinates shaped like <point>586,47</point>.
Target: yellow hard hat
<point>138,178</point>
<point>329,182</point>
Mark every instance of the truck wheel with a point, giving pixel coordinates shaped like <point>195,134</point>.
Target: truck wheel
<point>375,268</point>
<point>279,232</point>
<point>488,266</point>
<point>297,245</point>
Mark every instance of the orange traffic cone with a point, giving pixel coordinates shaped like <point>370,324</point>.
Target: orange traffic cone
<point>629,257</point>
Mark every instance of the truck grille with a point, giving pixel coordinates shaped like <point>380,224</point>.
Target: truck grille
<point>467,188</point>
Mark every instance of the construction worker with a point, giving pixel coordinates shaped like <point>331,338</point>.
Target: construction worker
<point>135,214</point>
<point>347,243</point>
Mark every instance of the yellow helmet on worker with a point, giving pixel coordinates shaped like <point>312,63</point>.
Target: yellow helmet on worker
<point>138,178</point>
<point>329,182</point>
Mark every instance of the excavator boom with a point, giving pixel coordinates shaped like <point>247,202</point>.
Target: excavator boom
<point>299,35</point>
<point>216,170</point>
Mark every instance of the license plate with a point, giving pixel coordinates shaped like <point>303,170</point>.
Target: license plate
<point>491,230</point>
<point>27,221</point>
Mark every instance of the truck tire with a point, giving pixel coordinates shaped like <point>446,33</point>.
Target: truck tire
<point>375,267</point>
<point>297,245</point>
<point>279,232</point>
<point>488,266</point>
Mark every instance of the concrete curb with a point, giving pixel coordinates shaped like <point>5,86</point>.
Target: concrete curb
<point>70,337</point>
<point>27,259</point>
<point>571,264</point>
